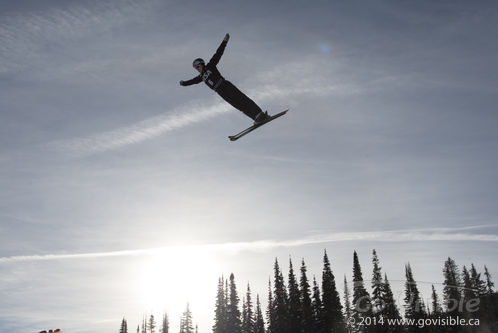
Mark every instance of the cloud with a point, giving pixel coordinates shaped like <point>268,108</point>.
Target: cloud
<point>25,37</point>
<point>144,130</point>
<point>410,235</point>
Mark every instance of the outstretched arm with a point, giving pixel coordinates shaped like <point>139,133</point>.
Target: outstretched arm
<point>219,52</point>
<point>195,80</point>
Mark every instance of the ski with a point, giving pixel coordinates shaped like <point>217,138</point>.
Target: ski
<point>253,127</point>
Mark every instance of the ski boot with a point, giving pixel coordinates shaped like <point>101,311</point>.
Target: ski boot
<point>261,118</point>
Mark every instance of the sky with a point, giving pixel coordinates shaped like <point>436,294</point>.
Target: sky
<point>123,197</point>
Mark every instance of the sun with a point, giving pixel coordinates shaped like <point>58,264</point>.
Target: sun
<point>173,276</point>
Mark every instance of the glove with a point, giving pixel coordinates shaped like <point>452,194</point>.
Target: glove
<point>227,37</point>
<point>182,83</point>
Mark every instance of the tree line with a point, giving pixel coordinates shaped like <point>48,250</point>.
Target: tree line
<point>297,304</point>
<point>149,324</point>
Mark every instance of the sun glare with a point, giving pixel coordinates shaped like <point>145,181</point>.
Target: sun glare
<point>171,277</point>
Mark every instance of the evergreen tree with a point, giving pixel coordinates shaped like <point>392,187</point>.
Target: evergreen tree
<point>317,308</point>
<point>295,307</point>
<point>489,305</point>
<point>477,283</point>
<point>437,310</point>
<point>414,305</point>
<point>270,312</point>
<point>259,323</point>
<point>124,326</point>
<point>376,284</point>
<point>144,325</point>
<point>227,300</point>
<point>348,312</point>
<point>250,310</point>
<point>186,323</point>
<point>151,324</point>
<point>489,283</point>
<point>469,293</point>
<point>220,311</point>
<point>247,312</point>
<point>331,301</point>
<point>305,297</point>
<point>362,305</point>
<point>451,289</point>
<point>165,325</point>
<point>390,310</point>
<point>244,327</point>
<point>280,302</point>
<point>474,304</point>
<point>234,324</point>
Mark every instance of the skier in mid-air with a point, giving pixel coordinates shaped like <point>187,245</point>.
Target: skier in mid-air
<point>212,77</point>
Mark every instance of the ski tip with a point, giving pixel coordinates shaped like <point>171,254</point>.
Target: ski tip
<point>279,114</point>
<point>282,113</point>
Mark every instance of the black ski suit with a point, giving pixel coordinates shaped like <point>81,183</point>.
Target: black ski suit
<point>213,79</point>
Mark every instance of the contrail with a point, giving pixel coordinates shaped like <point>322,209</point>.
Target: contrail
<point>144,130</point>
<point>412,235</point>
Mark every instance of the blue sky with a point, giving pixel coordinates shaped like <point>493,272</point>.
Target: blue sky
<point>112,173</point>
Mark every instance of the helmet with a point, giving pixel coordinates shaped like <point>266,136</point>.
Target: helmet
<point>198,62</point>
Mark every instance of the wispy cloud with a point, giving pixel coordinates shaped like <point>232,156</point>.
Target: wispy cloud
<point>23,37</point>
<point>411,235</point>
<point>144,130</point>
